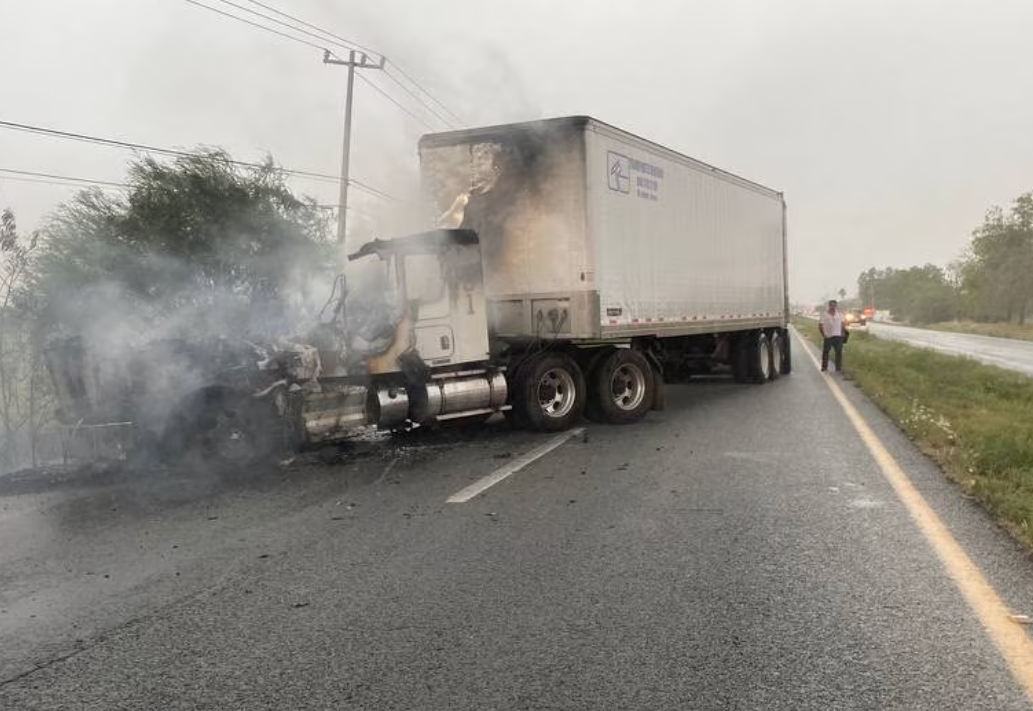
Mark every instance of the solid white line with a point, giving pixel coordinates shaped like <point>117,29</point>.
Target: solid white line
<point>1010,638</point>
<point>481,485</point>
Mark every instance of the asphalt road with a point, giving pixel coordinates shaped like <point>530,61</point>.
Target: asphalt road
<point>1002,352</point>
<point>741,550</point>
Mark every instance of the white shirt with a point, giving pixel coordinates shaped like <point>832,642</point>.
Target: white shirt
<point>831,323</point>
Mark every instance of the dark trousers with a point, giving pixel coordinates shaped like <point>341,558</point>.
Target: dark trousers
<point>833,343</point>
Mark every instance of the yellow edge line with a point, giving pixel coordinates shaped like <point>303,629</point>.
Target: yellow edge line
<point>1009,637</point>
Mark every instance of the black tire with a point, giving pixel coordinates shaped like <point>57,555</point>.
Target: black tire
<point>589,368</point>
<point>741,359</point>
<point>759,350</point>
<point>775,346</point>
<point>224,428</point>
<point>787,354</point>
<point>513,418</point>
<point>623,388</point>
<point>549,394</point>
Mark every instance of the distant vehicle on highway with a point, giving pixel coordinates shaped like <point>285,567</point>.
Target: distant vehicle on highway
<point>856,319</point>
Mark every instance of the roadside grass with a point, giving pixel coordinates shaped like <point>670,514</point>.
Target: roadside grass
<point>974,420</point>
<point>998,330</point>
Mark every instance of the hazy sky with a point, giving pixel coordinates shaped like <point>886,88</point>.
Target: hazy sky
<point>890,125</point>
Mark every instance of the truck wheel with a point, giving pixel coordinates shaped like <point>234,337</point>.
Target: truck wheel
<point>623,388</point>
<point>740,360</point>
<point>514,415</point>
<point>776,344</point>
<point>550,393</point>
<point>786,367</point>
<point>759,348</point>
<point>225,428</point>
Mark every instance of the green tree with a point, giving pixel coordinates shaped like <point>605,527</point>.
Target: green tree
<point>196,247</point>
<point>998,276</point>
<point>23,391</point>
<point>924,294</point>
<point>198,243</point>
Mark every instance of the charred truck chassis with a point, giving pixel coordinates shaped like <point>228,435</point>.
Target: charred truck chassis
<point>238,404</point>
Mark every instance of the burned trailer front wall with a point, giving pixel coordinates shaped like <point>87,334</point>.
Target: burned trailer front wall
<point>525,189</point>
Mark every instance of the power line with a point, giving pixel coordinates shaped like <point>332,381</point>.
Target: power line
<point>45,181</point>
<point>350,44</point>
<point>429,108</point>
<point>397,103</point>
<point>253,24</point>
<point>423,89</point>
<point>86,138</point>
<point>339,41</point>
<point>376,192</point>
<point>349,208</point>
<point>34,176</point>
<point>283,24</point>
<point>41,181</point>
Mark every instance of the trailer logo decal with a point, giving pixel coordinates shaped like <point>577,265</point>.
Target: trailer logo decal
<point>619,170</point>
<point>622,171</point>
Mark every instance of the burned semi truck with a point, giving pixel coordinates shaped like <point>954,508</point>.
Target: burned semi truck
<point>574,268</point>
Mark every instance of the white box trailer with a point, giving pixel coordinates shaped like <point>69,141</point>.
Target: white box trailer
<point>589,232</point>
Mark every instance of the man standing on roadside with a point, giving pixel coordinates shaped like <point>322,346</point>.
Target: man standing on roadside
<point>833,329</point>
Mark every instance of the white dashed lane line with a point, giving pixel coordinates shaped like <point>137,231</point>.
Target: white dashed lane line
<point>502,473</point>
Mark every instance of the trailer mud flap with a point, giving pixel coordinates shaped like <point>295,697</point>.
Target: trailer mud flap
<point>659,391</point>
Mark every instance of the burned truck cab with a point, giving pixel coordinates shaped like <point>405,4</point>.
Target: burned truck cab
<point>433,306</point>
<point>415,341</point>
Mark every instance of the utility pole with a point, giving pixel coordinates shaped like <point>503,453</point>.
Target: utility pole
<point>356,60</point>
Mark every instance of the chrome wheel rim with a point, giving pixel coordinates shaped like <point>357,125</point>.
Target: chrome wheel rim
<point>628,386</point>
<point>556,393</point>
<point>765,359</point>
